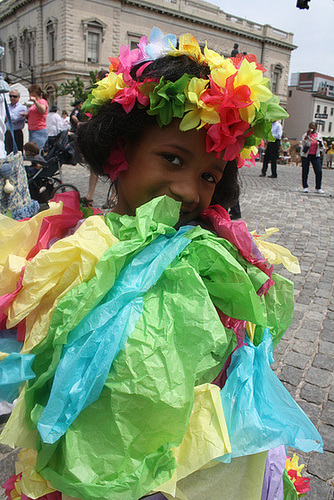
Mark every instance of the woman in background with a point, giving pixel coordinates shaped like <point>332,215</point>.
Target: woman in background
<point>311,148</point>
<point>37,114</point>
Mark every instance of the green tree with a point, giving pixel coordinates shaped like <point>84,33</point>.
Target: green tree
<point>76,88</point>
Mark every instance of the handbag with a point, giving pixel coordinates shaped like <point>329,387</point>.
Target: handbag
<point>14,190</point>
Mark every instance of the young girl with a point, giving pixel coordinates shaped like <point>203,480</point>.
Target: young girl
<point>148,334</point>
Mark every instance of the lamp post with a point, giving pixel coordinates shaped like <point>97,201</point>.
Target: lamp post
<point>30,68</point>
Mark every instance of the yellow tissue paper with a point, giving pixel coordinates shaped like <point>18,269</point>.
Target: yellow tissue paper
<point>239,480</point>
<point>32,484</point>
<point>19,237</point>
<point>206,437</point>
<point>10,274</point>
<point>54,272</point>
<point>16,432</point>
<point>276,254</point>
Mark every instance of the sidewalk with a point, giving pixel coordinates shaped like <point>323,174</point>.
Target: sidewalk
<point>304,359</point>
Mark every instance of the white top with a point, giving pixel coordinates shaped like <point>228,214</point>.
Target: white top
<point>54,124</point>
<point>276,130</point>
<point>2,126</point>
<point>66,123</point>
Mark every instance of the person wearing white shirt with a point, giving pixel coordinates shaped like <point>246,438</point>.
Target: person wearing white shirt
<point>54,122</point>
<point>65,120</point>
<point>272,151</point>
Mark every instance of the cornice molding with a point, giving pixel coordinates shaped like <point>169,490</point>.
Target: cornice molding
<point>212,24</point>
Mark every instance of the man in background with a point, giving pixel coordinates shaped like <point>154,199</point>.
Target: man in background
<point>76,115</point>
<point>17,113</point>
<point>272,151</point>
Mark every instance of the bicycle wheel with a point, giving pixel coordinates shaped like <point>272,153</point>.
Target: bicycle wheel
<point>63,188</point>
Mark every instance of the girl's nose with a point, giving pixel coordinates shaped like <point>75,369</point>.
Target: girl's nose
<point>186,190</point>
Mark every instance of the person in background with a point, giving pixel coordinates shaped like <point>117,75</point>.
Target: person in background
<point>31,153</point>
<point>76,117</point>
<point>311,148</point>
<point>37,114</point>
<point>66,125</point>
<point>17,113</point>
<point>54,122</point>
<point>286,146</point>
<point>329,155</point>
<point>272,151</point>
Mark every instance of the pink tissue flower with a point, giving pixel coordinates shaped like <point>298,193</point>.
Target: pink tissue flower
<point>116,163</point>
<point>127,97</point>
<point>228,135</point>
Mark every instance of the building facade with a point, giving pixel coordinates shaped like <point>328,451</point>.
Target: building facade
<point>310,98</point>
<point>50,41</point>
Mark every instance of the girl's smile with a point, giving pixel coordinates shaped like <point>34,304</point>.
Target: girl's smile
<point>169,162</point>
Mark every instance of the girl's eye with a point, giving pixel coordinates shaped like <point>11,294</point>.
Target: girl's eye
<point>175,160</point>
<point>209,178</point>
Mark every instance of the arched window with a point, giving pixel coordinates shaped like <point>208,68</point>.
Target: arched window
<point>50,91</point>
<point>94,32</point>
<point>51,34</point>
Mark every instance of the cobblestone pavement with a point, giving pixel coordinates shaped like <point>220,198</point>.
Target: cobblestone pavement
<point>304,359</point>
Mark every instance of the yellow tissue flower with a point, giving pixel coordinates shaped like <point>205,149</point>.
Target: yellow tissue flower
<point>188,45</point>
<point>198,112</point>
<point>292,463</point>
<point>213,59</point>
<point>107,88</point>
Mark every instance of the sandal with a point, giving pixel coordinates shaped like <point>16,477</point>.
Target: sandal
<point>86,202</point>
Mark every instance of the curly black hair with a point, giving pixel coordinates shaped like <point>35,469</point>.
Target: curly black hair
<point>112,125</point>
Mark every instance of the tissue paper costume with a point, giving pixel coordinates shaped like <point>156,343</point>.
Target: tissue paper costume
<point>144,355</point>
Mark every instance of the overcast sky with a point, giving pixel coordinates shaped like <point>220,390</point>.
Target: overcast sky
<point>313,29</point>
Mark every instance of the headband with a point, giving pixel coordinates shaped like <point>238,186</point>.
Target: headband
<point>234,103</point>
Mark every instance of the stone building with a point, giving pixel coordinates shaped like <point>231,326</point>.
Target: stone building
<point>49,41</point>
<point>310,98</point>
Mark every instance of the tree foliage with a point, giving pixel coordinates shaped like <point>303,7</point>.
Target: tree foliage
<point>77,88</point>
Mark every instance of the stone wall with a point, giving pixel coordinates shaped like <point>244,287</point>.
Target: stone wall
<point>123,22</point>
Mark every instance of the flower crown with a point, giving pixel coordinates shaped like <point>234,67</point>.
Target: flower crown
<point>234,104</point>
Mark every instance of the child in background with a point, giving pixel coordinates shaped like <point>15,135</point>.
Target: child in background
<point>152,330</point>
<point>31,153</point>
<point>66,120</point>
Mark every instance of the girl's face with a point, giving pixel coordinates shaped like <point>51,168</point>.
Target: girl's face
<point>169,162</point>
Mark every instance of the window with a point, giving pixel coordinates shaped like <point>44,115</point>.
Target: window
<point>51,93</point>
<point>27,42</point>
<point>51,33</point>
<point>332,111</point>
<point>12,54</point>
<point>133,40</point>
<point>93,47</point>
<point>2,60</point>
<point>94,31</point>
<point>275,82</point>
<point>276,74</point>
<point>290,93</point>
<point>330,127</point>
<point>325,109</point>
<point>318,108</point>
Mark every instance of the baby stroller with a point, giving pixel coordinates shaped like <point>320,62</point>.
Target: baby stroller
<point>47,181</point>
